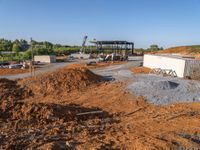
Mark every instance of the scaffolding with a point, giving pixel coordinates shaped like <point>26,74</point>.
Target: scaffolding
<point>114,46</point>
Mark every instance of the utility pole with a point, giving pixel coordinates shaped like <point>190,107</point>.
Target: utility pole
<point>32,68</point>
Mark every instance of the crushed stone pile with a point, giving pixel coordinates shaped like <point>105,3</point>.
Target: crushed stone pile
<point>51,126</point>
<point>165,90</point>
<point>196,74</point>
<point>164,85</point>
<point>76,77</point>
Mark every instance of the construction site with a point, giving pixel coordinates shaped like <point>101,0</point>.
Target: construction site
<point>115,100</point>
<point>99,75</point>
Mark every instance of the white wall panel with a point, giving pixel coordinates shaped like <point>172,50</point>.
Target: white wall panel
<point>45,58</point>
<point>165,62</point>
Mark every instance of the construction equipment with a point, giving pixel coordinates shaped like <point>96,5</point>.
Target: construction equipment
<point>82,50</point>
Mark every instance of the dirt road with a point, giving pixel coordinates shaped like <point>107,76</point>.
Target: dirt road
<point>42,69</point>
<point>135,61</point>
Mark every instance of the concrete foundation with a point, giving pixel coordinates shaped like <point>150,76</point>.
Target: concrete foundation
<point>45,58</point>
<point>183,66</point>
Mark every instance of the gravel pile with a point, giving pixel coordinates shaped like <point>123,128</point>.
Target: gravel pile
<point>165,90</point>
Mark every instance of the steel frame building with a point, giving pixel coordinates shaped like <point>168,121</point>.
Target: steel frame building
<point>114,46</point>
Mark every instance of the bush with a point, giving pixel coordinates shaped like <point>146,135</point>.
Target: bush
<point>66,50</point>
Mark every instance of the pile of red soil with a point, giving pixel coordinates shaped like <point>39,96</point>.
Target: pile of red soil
<point>10,92</point>
<point>7,88</point>
<point>68,79</point>
<point>35,126</point>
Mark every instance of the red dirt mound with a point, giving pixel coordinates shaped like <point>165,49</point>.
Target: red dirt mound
<point>7,87</point>
<point>75,77</point>
<point>10,92</point>
<point>184,50</point>
<point>180,50</point>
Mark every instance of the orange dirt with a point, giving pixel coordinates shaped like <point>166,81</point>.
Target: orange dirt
<point>75,77</point>
<point>12,71</point>
<point>140,70</point>
<point>183,50</point>
<point>105,64</point>
<point>121,121</point>
<point>197,56</point>
<point>180,50</point>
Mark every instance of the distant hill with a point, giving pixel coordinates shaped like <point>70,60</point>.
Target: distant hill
<point>193,50</point>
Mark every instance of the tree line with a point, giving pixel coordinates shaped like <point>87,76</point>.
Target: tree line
<point>22,49</point>
<point>152,48</point>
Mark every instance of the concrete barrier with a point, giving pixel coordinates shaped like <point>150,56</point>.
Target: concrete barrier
<point>45,58</point>
<point>184,67</point>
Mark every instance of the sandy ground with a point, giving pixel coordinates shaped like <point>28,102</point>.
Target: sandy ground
<point>141,125</point>
<point>42,69</point>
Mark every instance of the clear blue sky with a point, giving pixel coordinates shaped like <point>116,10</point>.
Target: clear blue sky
<point>163,22</point>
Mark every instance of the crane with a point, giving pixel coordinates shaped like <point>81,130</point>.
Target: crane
<point>83,44</point>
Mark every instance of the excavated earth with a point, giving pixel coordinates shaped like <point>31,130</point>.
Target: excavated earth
<point>73,108</point>
<point>6,71</point>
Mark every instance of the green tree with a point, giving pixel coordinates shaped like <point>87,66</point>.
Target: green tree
<point>48,45</point>
<point>5,45</point>
<point>16,48</point>
<point>154,47</point>
<point>23,44</point>
<point>27,55</point>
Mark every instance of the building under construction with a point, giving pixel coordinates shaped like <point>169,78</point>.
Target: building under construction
<point>120,47</point>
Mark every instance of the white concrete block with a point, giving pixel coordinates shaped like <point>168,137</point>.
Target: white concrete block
<point>176,63</point>
<point>45,58</point>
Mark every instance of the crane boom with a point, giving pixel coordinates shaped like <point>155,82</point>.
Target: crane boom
<point>83,44</point>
